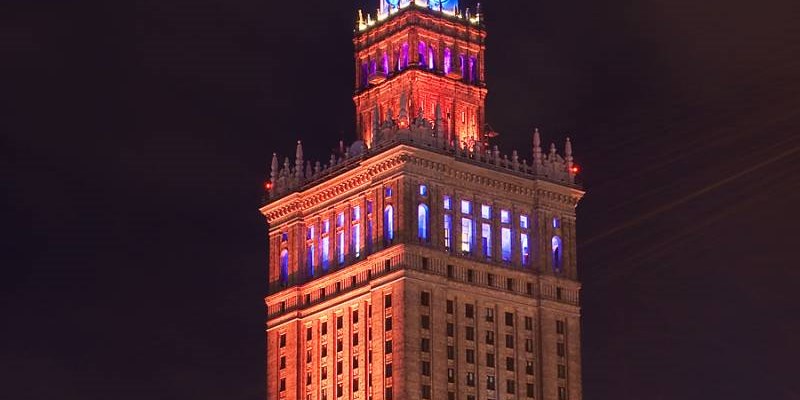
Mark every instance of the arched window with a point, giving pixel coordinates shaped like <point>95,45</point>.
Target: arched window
<point>388,223</point>
<point>284,278</point>
<point>557,254</point>
<point>402,61</point>
<point>385,63</point>
<point>423,53</point>
<point>431,63</point>
<point>422,222</point>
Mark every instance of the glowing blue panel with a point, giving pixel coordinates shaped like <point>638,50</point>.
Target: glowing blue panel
<point>505,244</point>
<point>448,228</point>
<point>486,240</point>
<point>284,278</point>
<point>525,251</point>
<point>422,222</point>
<point>486,211</point>
<point>447,203</point>
<point>325,246</point>
<point>557,253</point>
<point>466,235</point>
<point>388,223</point>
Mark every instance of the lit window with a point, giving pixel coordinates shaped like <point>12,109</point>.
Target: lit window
<point>340,246</point>
<point>523,222</point>
<point>557,253</point>
<point>340,220</point>
<point>447,204</point>
<point>466,207</point>
<point>422,222</point>
<point>310,258</point>
<point>556,222</point>
<point>466,235</point>
<point>356,213</point>
<point>524,250</point>
<point>505,216</point>
<point>325,246</point>
<point>326,226</point>
<point>505,243</point>
<point>388,192</point>
<point>355,239</point>
<point>284,272</point>
<point>486,239</point>
<point>448,227</point>
<point>486,211</point>
<point>447,61</point>
<point>310,233</point>
<point>423,190</point>
<point>388,223</point>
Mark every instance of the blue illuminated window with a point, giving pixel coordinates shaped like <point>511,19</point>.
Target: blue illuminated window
<point>422,221</point>
<point>486,211</point>
<point>340,220</point>
<point>466,235</point>
<point>355,215</point>
<point>486,239</point>
<point>388,223</point>
<point>326,226</point>
<point>523,222</point>
<point>310,259</point>
<point>447,203</point>
<point>557,253</point>
<point>340,247</point>
<point>310,233</point>
<point>505,216</point>
<point>369,207</point>
<point>284,237</point>
<point>448,228</point>
<point>556,222</point>
<point>524,250</point>
<point>466,207</point>
<point>355,239</point>
<point>505,243</point>
<point>325,249</point>
<point>423,190</point>
<point>388,192</point>
<point>284,272</point>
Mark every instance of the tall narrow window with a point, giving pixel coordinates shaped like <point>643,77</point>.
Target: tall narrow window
<point>422,222</point>
<point>447,204</point>
<point>325,244</point>
<point>466,235</point>
<point>340,247</point>
<point>431,63</point>
<point>422,52</point>
<point>310,251</point>
<point>447,61</point>
<point>505,243</point>
<point>385,63</point>
<point>486,239</point>
<point>284,278</point>
<point>388,223</point>
<point>448,228</point>
<point>402,62</point>
<point>355,231</point>
<point>369,226</point>
<point>557,254</point>
<point>524,249</point>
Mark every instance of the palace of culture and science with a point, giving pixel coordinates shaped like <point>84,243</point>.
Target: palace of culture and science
<point>419,262</point>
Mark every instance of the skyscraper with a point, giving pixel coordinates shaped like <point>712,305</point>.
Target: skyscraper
<point>418,262</point>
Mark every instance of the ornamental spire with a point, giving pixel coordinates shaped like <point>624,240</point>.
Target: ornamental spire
<point>298,160</point>
<point>537,147</point>
<point>273,173</point>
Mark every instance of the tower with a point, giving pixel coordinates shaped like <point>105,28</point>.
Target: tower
<point>418,262</point>
<point>417,56</point>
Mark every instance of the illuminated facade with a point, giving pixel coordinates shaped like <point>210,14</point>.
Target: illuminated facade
<point>417,264</point>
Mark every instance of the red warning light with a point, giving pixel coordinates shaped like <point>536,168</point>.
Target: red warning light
<point>574,169</point>
<point>267,185</point>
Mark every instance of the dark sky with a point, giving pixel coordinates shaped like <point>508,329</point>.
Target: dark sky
<point>136,137</point>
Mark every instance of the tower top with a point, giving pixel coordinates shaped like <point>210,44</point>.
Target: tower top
<point>388,8</point>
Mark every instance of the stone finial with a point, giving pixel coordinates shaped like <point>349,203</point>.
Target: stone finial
<point>515,159</point>
<point>552,151</point>
<point>403,106</point>
<point>537,147</point>
<point>273,173</point>
<point>375,122</point>
<point>438,121</point>
<point>286,171</point>
<point>333,160</point>
<point>568,156</point>
<point>317,168</point>
<point>496,155</point>
<point>308,169</point>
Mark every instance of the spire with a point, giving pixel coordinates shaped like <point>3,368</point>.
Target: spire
<point>308,169</point>
<point>273,173</point>
<point>568,155</point>
<point>298,160</point>
<point>552,151</point>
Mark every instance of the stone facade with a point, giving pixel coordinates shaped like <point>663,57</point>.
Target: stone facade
<point>417,267</point>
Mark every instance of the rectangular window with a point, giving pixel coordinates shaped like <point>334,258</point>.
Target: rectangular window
<point>282,385</point>
<point>425,322</point>
<point>510,341</point>
<point>529,390</point>
<point>525,253</point>
<point>388,370</point>
<point>466,235</point>
<point>559,326</point>
<point>489,382</point>
<point>449,302</point>
<point>324,328</point>
<point>510,363</point>
<point>282,340</point>
<point>509,319</point>
<point>451,353</point>
<point>387,324</point>
<point>469,311</point>
<point>387,300</point>
<point>388,347</point>
<point>447,204</point>
<point>355,315</point>
<point>355,339</point>
<point>511,386</point>
<point>355,362</point>
<point>450,329</point>
<point>529,367</point>
<point>283,362</point>
<point>451,375</point>
<point>486,211</point>
<point>490,360</point>
<point>505,216</point>
<point>448,231</point>
<point>355,385</point>
<point>470,356</point>
<point>340,247</point>
<point>340,220</point>
<point>355,239</point>
<point>562,371</point>
<point>425,298</point>
<point>426,392</point>
<point>486,239</point>
<point>490,337</point>
<point>308,333</point>
<point>325,250</point>
<point>528,323</point>
<point>425,345</point>
<point>339,322</point>
<point>423,190</point>
<point>426,368</point>
<point>466,207</point>
<point>509,284</point>
<point>489,314</point>
<point>470,379</point>
<point>470,333</point>
<point>560,350</point>
<point>523,222</point>
<point>490,279</point>
<point>505,243</point>
<point>562,393</point>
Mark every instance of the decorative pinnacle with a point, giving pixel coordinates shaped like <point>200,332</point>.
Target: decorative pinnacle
<point>273,174</point>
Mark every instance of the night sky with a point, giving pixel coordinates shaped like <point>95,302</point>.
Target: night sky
<point>136,137</point>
